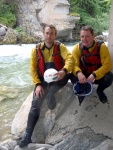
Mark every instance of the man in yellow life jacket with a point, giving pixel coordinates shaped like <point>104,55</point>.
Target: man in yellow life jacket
<point>48,54</point>
<point>92,63</point>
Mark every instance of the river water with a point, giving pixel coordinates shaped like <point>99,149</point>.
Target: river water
<point>15,82</point>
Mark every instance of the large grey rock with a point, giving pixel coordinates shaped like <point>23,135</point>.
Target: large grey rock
<point>68,117</point>
<point>8,144</point>
<point>34,146</point>
<point>106,145</point>
<point>20,120</point>
<point>2,31</point>
<point>10,37</point>
<point>31,15</point>
<point>80,139</point>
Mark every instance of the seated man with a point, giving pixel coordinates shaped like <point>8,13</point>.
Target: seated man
<point>92,63</point>
<point>47,54</point>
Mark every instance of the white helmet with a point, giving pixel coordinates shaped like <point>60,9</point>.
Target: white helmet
<point>49,75</point>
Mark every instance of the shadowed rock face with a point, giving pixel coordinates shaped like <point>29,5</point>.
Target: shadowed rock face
<point>69,124</point>
<point>32,14</point>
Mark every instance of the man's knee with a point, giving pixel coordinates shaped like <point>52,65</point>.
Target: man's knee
<point>35,109</point>
<point>36,105</point>
<point>64,81</point>
<point>51,102</point>
<point>108,78</point>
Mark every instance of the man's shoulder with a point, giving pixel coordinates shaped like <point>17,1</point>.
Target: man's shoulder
<point>60,44</point>
<point>77,45</point>
<point>40,45</point>
<point>76,48</point>
<point>101,44</point>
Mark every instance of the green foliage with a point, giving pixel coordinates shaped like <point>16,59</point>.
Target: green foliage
<point>74,14</point>
<point>7,15</point>
<point>73,6</point>
<point>92,12</point>
<point>108,3</point>
<point>105,5</point>
<point>99,23</point>
<point>19,30</point>
<point>89,6</point>
<point>103,22</point>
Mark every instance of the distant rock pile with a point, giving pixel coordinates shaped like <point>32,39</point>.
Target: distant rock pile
<point>11,36</point>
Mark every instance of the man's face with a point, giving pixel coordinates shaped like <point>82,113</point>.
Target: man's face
<point>86,38</point>
<point>49,35</point>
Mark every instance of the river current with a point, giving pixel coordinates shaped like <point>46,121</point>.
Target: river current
<point>15,82</point>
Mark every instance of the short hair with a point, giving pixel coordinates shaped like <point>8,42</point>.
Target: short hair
<point>87,27</point>
<point>50,26</point>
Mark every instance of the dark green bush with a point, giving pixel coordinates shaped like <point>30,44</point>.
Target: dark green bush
<point>7,16</point>
<point>92,12</point>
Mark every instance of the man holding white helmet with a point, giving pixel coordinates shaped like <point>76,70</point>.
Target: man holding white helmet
<point>46,55</point>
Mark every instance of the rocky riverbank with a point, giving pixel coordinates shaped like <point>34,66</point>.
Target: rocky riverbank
<point>68,126</point>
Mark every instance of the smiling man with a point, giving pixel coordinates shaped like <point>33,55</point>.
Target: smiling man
<point>92,62</point>
<point>45,55</point>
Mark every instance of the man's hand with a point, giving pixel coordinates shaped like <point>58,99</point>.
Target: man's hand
<point>39,91</point>
<point>91,78</point>
<point>61,75</point>
<point>81,77</point>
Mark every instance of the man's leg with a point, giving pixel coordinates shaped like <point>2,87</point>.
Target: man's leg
<point>104,83</point>
<point>51,102</point>
<point>32,119</point>
<point>74,79</point>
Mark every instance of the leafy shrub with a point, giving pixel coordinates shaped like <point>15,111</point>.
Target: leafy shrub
<point>7,15</point>
<point>19,30</point>
<point>92,12</point>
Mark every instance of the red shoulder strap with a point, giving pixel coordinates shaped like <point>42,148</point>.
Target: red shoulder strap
<point>40,61</point>
<point>57,59</point>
